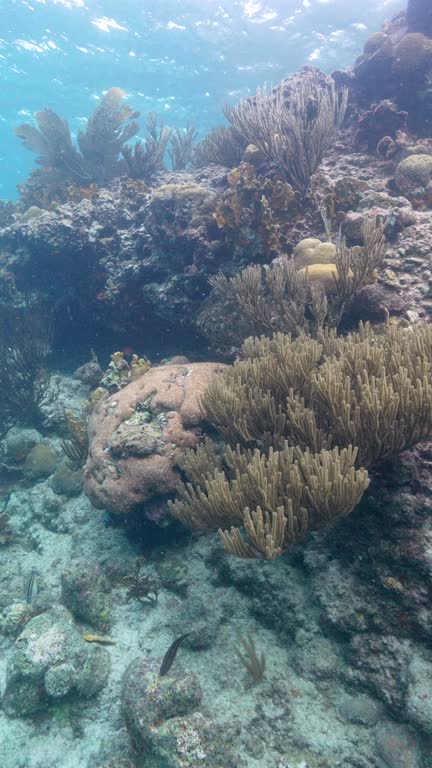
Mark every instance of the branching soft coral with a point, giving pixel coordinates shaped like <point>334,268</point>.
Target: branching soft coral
<point>25,343</point>
<point>293,137</point>
<point>108,129</point>
<point>98,158</point>
<point>308,417</point>
<point>146,158</point>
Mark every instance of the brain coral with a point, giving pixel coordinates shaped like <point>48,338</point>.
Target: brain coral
<point>413,53</point>
<point>312,251</point>
<point>136,436</point>
<point>412,173</point>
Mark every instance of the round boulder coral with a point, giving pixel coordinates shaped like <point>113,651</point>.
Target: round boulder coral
<point>413,174</point>
<point>137,435</point>
<point>40,462</point>
<point>412,54</point>
<point>85,590</point>
<point>312,251</point>
<point>164,727</point>
<point>323,273</point>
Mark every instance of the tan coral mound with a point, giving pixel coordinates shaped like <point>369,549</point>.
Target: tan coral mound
<point>311,250</point>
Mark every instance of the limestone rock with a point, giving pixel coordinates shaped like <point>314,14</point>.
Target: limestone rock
<point>86,592</point>
<point>50,661</point>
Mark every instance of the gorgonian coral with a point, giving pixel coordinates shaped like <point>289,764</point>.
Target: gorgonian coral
<point>97,157</point>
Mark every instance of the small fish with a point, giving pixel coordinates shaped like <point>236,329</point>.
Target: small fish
<point>98,639</point>
<point>171,654</point>
<point>31,586</point>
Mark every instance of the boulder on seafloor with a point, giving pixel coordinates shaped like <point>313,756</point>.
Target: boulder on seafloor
<point>41,461</point>
<point>18,443</point>
<point>86,591</point>
<point>163,724</point>
<point>138,434</point>
<point>148,699</point>
<point>397,746</point>
<point>51,660</point>
<point>67,481</point>
<point>89,373</point>
<point>413,175</point>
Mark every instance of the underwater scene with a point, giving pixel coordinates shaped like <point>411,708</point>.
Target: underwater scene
<point>216,384</point>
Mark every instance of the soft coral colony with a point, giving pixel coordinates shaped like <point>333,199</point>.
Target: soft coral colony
<point>269,238</point>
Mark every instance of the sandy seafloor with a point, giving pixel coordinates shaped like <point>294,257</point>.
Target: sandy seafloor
<point>302,715</point>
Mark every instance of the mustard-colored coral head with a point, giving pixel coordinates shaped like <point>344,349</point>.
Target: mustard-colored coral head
<point>312,251</point>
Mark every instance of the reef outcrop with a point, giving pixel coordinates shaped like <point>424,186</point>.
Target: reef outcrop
<point>137,435</point>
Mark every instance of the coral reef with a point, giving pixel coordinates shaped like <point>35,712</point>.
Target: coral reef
<point>395,68</point>
<point>121,372</point>
<point>41,461</point>
<point>222,146</point>
<point>314,290</point>
<point>413,176</point>
<point>25,343</point>
<point>381,120</point>
<point>419,16</point>
<point>346,613</point>
<point>352,632</point>
<point>256,213</point>
<point>163,723</point>
<point>146,158</point>
<point>85,591</point>
<point>181,150</point>
<point>66,481</point>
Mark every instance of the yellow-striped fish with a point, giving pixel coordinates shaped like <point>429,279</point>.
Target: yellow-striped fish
<point>98,639</point>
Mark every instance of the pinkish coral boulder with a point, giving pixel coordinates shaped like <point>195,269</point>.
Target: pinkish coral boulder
<point>136,436</point>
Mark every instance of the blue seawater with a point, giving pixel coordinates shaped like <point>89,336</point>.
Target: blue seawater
<point>184,60</point>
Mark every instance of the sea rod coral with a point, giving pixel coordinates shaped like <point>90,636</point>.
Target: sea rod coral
<point>307,418</point>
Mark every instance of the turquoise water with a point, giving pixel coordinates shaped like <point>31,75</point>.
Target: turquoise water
<point>184,60</point>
